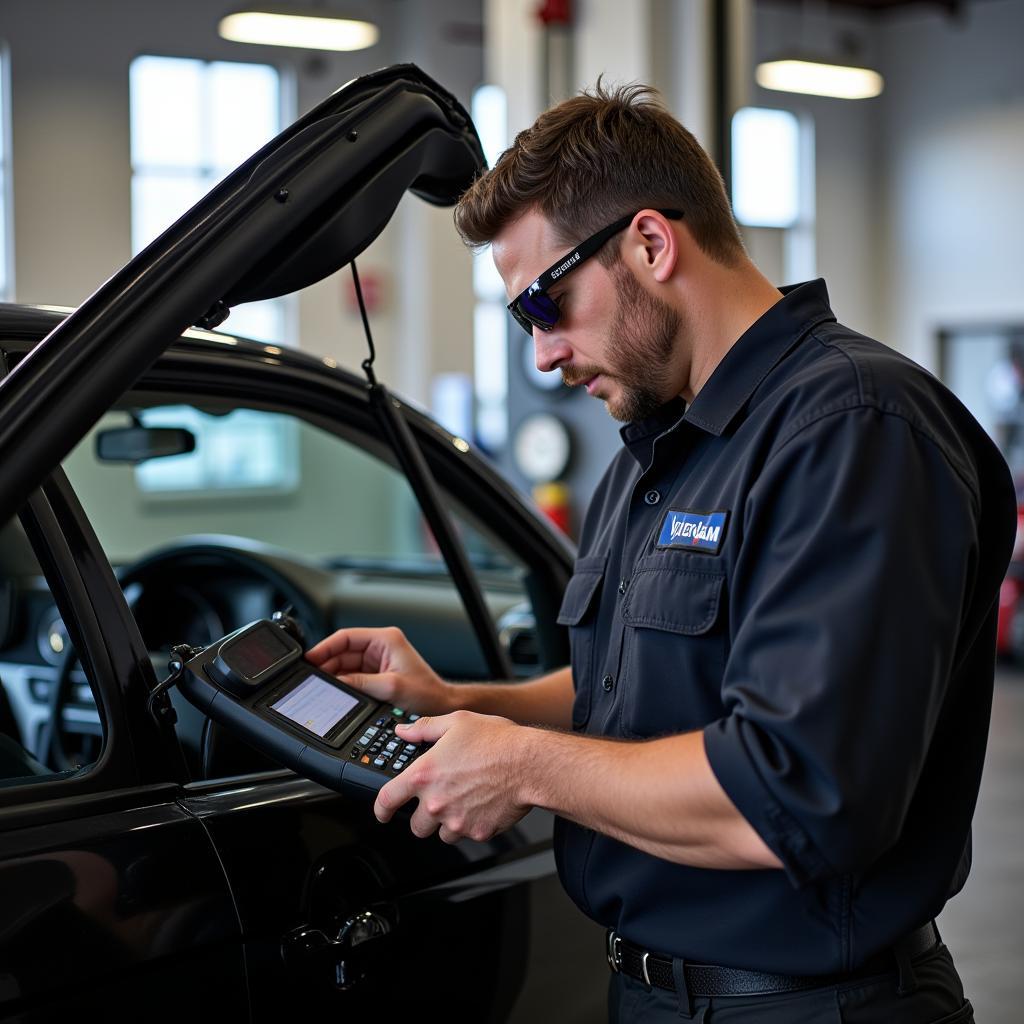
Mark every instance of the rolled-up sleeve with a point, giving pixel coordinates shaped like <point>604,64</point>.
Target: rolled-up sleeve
<point>859,544</point>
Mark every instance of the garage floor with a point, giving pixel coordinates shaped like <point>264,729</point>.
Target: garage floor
<point>984,925</point>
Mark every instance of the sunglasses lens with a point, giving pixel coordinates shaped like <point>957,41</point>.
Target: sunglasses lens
<point>539,309</point>
<point>520,319</point>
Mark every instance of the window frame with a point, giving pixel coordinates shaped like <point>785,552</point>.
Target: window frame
<point>93,610</point>
<point>6,178</point>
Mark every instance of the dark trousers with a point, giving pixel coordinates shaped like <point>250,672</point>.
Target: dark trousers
<point>937,999</point>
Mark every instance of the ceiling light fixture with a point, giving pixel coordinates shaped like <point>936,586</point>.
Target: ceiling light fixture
<point>819,78</point>
<point>305,29</point>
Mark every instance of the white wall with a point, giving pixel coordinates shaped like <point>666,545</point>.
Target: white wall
<point>920,207</point>
<point>951,157</point>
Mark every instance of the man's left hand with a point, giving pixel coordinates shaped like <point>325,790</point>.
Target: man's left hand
<point>467,784</point>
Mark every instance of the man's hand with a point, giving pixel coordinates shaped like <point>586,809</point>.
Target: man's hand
<point>467,783</point>
<point>385,666</point>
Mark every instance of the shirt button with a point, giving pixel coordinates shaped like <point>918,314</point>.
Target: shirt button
<point>607,683</point>
<point>652,497</point>
<point>622,586</point>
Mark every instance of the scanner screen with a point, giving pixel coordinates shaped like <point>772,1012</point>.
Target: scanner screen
<point>316,705</point>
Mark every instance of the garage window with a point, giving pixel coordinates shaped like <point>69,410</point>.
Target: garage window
<point>242,453</point>
<point>192,122</point>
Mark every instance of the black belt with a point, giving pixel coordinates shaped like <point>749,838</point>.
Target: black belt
<point>711,980</point>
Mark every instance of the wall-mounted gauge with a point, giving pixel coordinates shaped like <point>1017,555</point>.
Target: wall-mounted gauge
<point>541,447</point>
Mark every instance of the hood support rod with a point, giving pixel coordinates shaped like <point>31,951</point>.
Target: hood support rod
<point>388,411</point>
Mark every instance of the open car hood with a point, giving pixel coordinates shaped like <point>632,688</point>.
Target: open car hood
<point>306,204</point>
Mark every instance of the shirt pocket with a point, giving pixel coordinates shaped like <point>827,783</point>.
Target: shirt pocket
<point>676,646</point>
<point>579,613</point>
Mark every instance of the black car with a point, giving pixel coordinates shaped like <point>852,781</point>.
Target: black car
<point>165,485</point>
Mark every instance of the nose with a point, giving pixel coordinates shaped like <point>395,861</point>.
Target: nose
<point>550,349</point>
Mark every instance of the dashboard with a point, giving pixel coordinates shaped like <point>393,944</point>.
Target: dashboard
<point>199,589</point>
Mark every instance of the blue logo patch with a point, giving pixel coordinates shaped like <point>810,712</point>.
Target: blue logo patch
<point>697,531</point>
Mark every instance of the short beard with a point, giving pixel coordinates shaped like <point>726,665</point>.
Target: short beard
<point>640,343</point>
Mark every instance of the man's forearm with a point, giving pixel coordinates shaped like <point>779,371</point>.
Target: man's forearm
<point>660,796</point>
<point>545,701</point>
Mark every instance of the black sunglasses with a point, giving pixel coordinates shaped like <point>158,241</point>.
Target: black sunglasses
<point>533,307</point>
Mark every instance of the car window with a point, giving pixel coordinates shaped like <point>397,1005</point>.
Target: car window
<point>267,476</point>
<point>38,665</point>
<point>266,511</point>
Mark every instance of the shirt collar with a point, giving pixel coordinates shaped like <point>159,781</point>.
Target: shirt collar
<point>639,435</point>
<point>740,371</point>
<point>757,350</point>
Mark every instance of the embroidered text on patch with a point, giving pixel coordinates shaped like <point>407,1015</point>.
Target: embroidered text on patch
<point>700,531</point>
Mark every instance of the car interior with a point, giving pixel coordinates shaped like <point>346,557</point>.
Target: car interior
<point>218,514</point>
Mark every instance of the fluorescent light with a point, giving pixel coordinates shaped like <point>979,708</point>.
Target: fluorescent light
<point>819,79</point>
<point>310,30</point>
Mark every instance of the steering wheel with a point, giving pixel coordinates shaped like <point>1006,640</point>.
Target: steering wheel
<point>178,558</point>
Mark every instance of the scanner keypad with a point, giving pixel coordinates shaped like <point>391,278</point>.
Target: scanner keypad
<point>380,747</point>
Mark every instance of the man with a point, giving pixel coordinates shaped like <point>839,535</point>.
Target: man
<point>782,616</point>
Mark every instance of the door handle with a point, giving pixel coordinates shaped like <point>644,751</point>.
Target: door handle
<point>307,947</point>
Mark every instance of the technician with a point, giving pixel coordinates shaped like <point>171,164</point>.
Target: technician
<point>766,754</point>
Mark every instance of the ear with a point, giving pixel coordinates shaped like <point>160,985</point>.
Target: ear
<point>657,248</point>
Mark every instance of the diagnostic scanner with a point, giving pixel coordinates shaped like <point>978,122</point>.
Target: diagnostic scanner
<point>257,685</point>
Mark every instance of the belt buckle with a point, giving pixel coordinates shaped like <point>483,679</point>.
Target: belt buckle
<point>614,951</point>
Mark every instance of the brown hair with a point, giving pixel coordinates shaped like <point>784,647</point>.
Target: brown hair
<point>597,157</point>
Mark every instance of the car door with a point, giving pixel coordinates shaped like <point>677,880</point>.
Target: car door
<point>113,901</point>
<point>332,904</point>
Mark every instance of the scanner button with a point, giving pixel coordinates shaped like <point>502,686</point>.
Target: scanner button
<point>365,759</point>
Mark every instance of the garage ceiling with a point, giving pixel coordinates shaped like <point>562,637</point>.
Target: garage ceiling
<point>953,8</point>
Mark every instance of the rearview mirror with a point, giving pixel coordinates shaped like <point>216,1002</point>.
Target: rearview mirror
<point>138,444</point>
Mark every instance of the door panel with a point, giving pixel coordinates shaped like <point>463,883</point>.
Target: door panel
<point>124,914</point>
<point>463,920</point>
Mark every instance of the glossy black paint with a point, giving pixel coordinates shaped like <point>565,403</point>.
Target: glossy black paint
<point>333,860</point>
<point>95,908</point>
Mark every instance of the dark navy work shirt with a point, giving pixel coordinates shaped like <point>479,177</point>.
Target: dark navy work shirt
<point>804,564</point>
